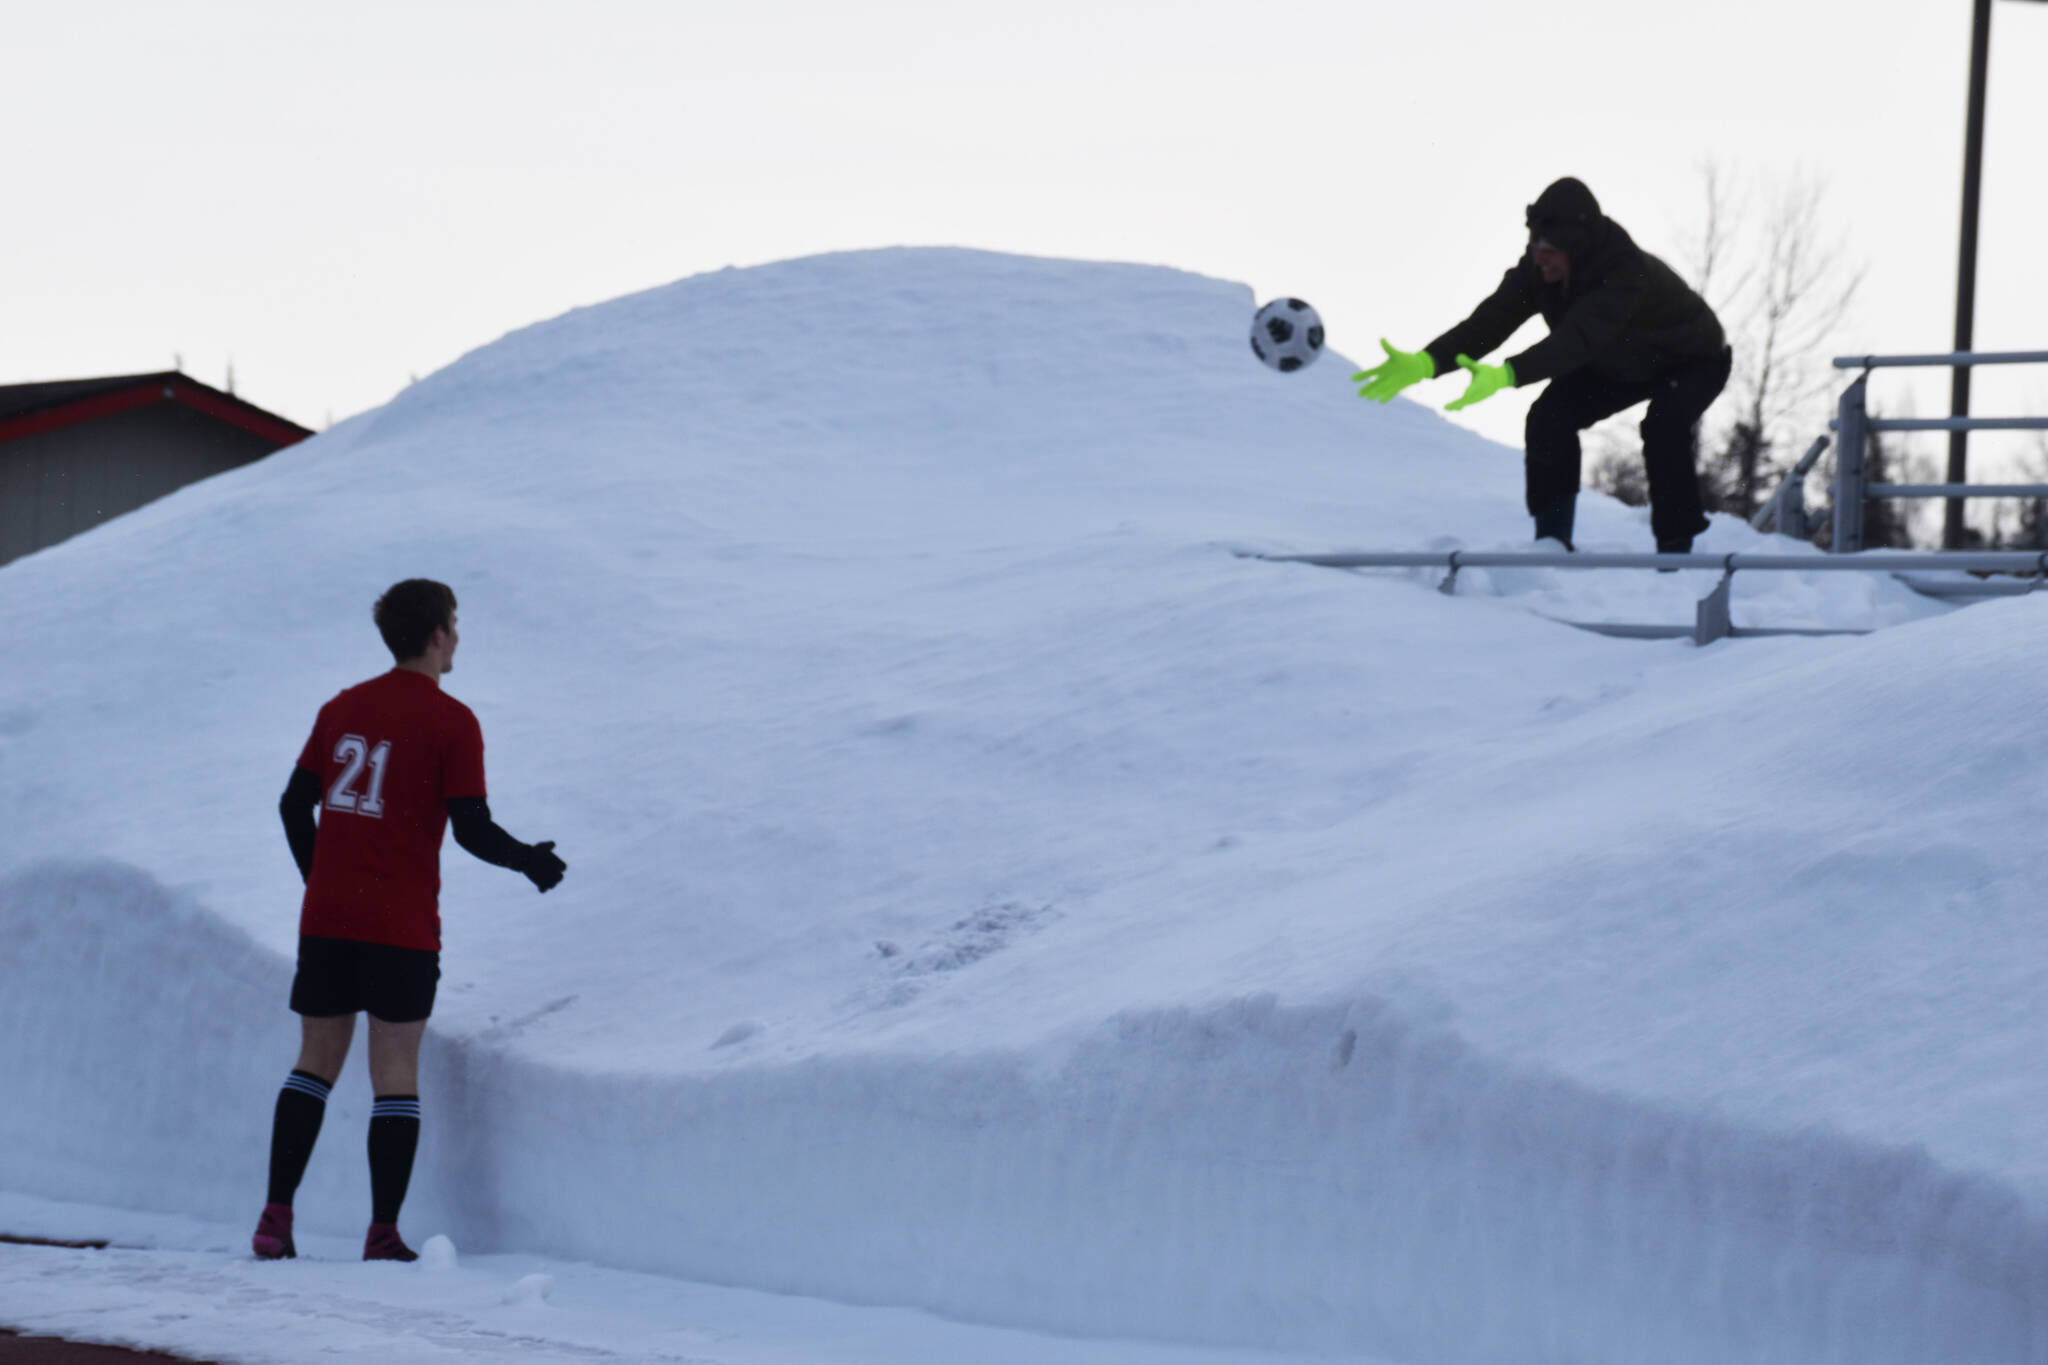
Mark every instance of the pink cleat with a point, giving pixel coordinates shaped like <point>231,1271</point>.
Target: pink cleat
<point>273,1239</point>
<point>382,1243</point>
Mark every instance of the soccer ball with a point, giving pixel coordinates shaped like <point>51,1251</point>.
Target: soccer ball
<point>1287,334</point>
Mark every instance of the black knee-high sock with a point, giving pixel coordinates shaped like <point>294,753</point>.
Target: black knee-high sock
<point>394,1136</point>
<point>300,1107</point>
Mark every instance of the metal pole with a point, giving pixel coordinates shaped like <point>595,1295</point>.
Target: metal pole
<point>1966,269</point>
<point>1849,439</point>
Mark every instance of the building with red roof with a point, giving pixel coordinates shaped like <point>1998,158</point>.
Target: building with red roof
<point>78,452</point>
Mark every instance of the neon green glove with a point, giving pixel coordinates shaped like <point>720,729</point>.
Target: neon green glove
<point>1487,380</point>
<point>1401,369</point>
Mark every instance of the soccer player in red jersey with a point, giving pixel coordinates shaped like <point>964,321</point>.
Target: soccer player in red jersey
<point>390,765</point>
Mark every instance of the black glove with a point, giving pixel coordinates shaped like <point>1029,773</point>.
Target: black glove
<point>542,867</point>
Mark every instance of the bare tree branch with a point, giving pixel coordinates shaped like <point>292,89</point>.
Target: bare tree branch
<point>1783,291</point>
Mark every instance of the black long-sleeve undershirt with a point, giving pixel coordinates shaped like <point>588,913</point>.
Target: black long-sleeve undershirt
<point>481,836</point>
<point>301,797</point>
<point>469,816</point>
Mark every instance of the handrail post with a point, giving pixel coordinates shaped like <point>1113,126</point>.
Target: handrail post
<point>1850,435</point>
<point>1710,621</point>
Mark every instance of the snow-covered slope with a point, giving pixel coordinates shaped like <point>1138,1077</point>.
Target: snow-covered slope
<point>989,893</point>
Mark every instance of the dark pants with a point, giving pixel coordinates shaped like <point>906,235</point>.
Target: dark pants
<point>1573,402</point>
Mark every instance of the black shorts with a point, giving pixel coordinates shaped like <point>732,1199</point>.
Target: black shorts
<point>341,976</point>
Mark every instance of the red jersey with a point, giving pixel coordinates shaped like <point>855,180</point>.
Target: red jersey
<point>389,754</point>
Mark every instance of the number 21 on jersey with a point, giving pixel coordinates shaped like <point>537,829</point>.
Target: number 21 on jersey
<point>354,753</point>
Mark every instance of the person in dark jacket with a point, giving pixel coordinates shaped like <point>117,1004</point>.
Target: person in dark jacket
<point>1624,329</point>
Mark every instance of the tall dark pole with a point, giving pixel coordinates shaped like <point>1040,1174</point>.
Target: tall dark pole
<point>1966,270</point>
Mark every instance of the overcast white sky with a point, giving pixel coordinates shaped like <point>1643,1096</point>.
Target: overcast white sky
<point>340,197</point>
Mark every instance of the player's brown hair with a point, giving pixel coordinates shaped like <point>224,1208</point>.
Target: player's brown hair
<point>408,613</point>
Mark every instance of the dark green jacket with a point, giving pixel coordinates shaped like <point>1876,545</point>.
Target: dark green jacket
<point>1623,314</point>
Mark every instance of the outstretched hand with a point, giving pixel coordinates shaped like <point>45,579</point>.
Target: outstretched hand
<point>543,868</point>
<point>1487,380</point>
<point>1395,373</point>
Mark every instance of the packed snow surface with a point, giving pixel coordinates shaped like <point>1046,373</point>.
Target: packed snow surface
<point>990,893</point>
<point>179,1284</point>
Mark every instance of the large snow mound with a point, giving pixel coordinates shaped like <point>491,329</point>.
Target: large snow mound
<point>989,892</point>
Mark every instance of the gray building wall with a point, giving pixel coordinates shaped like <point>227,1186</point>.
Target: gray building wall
<point>57,483</point>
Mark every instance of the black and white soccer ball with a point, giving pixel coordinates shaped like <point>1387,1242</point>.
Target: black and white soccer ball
<point>1287,334</point>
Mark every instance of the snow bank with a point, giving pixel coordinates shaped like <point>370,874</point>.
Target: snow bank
<point>988,893</point>
<point>1332,1179</point>
<point>143,1049</point>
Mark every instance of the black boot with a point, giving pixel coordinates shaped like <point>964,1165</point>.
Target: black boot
<point>1674,547</point>
<point>1554,519</point>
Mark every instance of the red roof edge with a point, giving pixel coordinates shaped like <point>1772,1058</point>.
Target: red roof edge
<point>169,389</point>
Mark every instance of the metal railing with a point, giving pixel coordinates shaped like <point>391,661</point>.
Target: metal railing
<point>1785,510</point>
<point>1853,425</point>
<point>1710,616</point>
<point>1946,574</point>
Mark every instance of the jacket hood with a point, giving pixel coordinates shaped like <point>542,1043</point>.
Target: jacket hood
<point>1567,215</point>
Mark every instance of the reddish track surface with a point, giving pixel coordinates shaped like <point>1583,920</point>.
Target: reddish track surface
<point>20,1350</point>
